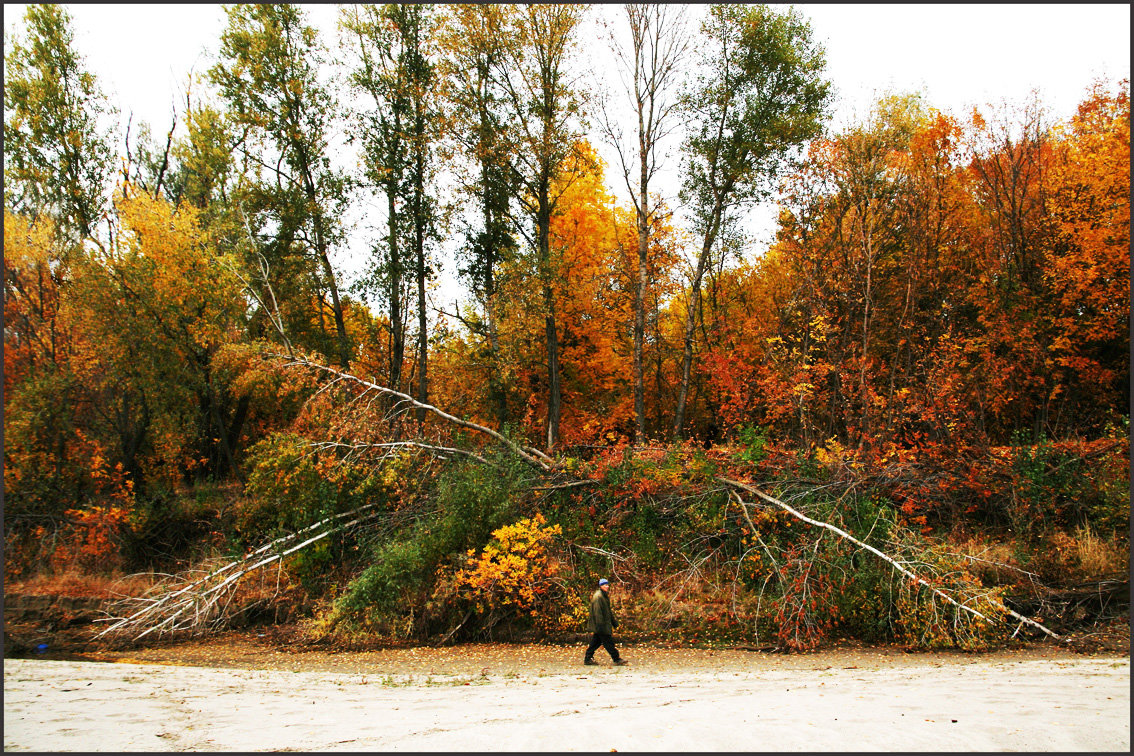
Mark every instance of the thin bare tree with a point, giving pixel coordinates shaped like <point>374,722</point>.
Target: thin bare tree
<point>648,69</point>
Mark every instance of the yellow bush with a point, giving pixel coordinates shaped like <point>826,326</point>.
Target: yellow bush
<point>515,570</point>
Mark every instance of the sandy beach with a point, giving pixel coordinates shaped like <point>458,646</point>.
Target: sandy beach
<point>541,699</point>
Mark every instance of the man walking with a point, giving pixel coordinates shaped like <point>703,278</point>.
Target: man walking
<point>602,623</point>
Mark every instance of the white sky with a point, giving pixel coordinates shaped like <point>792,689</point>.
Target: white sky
<point>957,55</point>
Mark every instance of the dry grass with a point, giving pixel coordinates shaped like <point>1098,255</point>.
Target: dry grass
<point>1060,559</point>
<point>1098,557</point>
<point>1080,556</point>
<point>72,583</point>
<point>994,562</point>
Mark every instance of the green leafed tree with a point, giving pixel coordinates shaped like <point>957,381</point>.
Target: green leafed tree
<point>57,152</point>
<point>394,71</point>
<point>760,94</point>
<point>268,77</point>
<point>478,122</point>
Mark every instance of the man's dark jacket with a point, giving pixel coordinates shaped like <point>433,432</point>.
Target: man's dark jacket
<point>602,616</point>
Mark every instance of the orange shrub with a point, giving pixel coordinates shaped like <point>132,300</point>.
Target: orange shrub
<point>93,543</point>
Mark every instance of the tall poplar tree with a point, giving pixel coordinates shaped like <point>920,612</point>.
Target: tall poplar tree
<point>415,22</point>
<point>547,106</point>
<point>760,95</point>
<point>398,130</point>
<point>479,123</point>
<point>268,76</point>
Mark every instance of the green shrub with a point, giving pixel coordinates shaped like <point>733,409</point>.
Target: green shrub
<point>166,528</point>
<point>291,486</point>
<point>473,500</point>
<point>46,462</point>
<point>754,444</point>
<point>1060,486</point>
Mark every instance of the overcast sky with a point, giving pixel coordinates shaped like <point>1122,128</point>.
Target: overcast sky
<point>960,55</point>
<point>957,55</point>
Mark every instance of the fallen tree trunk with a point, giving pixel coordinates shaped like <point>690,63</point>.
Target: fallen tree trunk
<point>197,605</point>
<point>202,603</point>
<point>527,453</point>
<point>890,560</point>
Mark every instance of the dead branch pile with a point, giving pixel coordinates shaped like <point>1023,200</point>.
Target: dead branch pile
<point>198,604</point>
<point>1068,607</point>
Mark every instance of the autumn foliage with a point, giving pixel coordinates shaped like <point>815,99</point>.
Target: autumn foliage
<point>919,295</point>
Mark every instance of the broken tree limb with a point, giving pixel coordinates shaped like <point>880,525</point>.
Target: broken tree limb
<point>391,445</point>
<point>272,312</point>
<point>453,632</point>
<point>203,603</point>
<point>232,565</point>
<point>890,560</point>
<point>563,486</point>
<point>1063,605</point>
<point>532,456</point>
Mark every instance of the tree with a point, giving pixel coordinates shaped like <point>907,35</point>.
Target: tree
<point>36,338</point>
<point>597,275</point>
<point>114,379</point>
<point>267,75</point>
<point>57,156</point>
<point>416,26</point>
<point>868,268</point>
<point>472,38</point>
<point>57,162</point>
<point>1011,160</point>
<point>761,96</point>
<point>147,166</point>
<point>1088,267</point>
<point>900,309</point>
<point>153,313</point>
<point>207,173</point>
<point>869,183</point>
<point>40,394</point>
<point>545,106</point>
<point>398,135</point>
<point>657,48</point>
<point>379,76</point>
<point>205,164</point>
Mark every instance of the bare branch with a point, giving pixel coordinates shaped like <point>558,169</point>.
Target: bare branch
<point>195,604</point>
<point>391,445</point>
<point>561,486</point>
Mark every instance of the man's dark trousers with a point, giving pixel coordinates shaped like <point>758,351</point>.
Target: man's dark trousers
<point>606,641</point>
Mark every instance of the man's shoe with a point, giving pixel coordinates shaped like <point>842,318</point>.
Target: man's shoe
<point>589,661</point>
<point>620,662</point>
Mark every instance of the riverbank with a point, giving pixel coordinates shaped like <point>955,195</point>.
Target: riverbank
<point>236,694</point>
